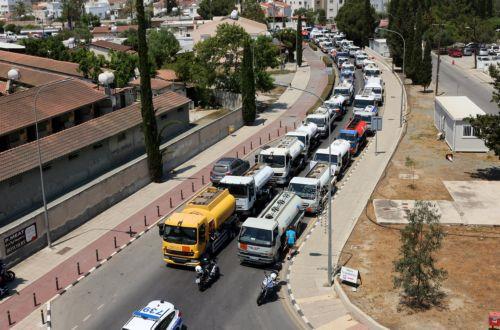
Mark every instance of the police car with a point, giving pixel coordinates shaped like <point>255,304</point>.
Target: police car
<point>157,315</point>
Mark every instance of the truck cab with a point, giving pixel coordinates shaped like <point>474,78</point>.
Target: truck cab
<point>375,86</point>
<point>371,72</point>
<point>286,158</point>
<point>355,133</point>
<point>261,239</point>
<point>203,226</point>
<point>337,103</point>
<point>361,101</point>
<point>345,89</point>
<point>322,118</point>
<point>251,190</point>
<point>313,188</point>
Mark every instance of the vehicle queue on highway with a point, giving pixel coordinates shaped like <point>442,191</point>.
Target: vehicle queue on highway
<point>258,204</point>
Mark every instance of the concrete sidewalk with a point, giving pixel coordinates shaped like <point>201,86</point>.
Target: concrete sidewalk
<point>39,273</point>
<point>316,302</point>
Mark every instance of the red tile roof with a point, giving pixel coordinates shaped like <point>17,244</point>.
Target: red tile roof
<point>16,110</point>
<point>30,77</point>
<point>111,45</point>
<point>42,63</point>
<point>24,158</point>
<point>156,84</point>
<point>166,74</point>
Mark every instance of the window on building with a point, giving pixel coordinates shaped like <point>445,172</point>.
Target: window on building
<point>468,130</point>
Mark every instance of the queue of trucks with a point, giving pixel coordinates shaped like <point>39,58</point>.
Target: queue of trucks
<point>213,216</point>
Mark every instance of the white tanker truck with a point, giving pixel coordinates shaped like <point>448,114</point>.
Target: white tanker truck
<point>262,239</point>
<point>285,158</point>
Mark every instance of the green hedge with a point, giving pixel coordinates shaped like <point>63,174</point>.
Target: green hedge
<point>327,60</point>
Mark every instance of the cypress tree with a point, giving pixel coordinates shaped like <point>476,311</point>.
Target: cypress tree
<point>299,41</point>
<point>426,71</point>
<point>248,84</point>
<point>150,128</point>
<point>415,64</point>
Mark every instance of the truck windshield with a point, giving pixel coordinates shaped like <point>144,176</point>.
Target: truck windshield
<point>348,137</point>
<point>324,158</point>
<point>274,161</point>
<point>237,190</point>
<point>339,91</point>
<point>361,103</point>
<point>256,236</point>
<point>180,235</point>
<point>303,190</point>
<point>367,119</point>
<point>376,90</point>
<point>320,122</point>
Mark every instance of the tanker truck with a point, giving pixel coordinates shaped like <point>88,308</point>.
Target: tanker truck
<point>207,222</point>
<point>262,239</point>
<point>285,158</point>
<point>308,134</point>
<point>313,187</point>
<point>252,190</point>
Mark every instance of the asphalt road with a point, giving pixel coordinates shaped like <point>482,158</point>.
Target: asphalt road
<point>453,81</point>
<point>137,275</point>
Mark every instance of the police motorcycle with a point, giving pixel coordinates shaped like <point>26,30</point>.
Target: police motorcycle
<point>206,273</point>
<point>268,287</point>
<point>6,276</point>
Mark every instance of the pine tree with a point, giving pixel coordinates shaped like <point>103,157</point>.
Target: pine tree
<point>417,274</point>
<point>248,84</point>
<point>150,128</point>
<point>299,41</point>
<point>425,77</point>
<point>416,55</point>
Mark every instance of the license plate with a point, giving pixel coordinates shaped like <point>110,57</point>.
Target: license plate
<point>253,258</point>
<point>197,281</point>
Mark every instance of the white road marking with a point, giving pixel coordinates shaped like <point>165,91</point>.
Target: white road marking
<point>87,317</point>
<point>100,306</point>
<point>75,327</point>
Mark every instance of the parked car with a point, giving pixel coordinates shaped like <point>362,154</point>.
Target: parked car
<point>228,166</point>
<point>483,52</point>
<point>494,50</point>
<point>467,51</point>
<point>473,46</point>
<point>454,52</point>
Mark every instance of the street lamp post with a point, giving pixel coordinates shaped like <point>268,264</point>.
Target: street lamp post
<point>404,56</point>
<point>45,212</point>
<point>439,58</point>
<point>330,257</point>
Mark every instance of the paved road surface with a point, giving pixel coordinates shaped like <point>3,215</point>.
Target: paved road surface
<point>453,79</point>
<point>107,298</point>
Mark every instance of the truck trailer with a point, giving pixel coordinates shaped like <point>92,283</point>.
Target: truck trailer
<point>252,190</point>
<point>286,159</point>
<point>262,239</point>
<point>338,154</point>
<point>207,221</point>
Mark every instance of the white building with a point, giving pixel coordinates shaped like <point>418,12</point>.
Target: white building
<point>7,6</point>
<point>44,11</point>
<point>380,5</point>
<point>331,7</point>
<point>450,113</point>
<point>100,8</point>
<point>380,46</point>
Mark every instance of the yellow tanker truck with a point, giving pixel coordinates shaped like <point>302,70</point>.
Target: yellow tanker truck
<point>205,224</point>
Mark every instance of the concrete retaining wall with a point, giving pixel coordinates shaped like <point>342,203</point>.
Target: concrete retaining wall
<point>228,100</point>
<point>87,201</point>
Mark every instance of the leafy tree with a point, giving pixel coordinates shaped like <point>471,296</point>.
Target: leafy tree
<point>357,19</point>
<point>265,56</point>
<point>425,74</point>
<point>72,11</point>
<point>417,275</point>
<point>132,40</point>
<point>288,37</point>
<point>124,65</point>
<point>251,9</point>
<point>90,20</point>
<point>495,74</point>
<point>150,128</point>
<point>311,16</point>
<point>487,128</point>
<point>50,47</point>
<point>415,58</point>
<point>248,84</point>
<point>210,8</point>
<point>299,41</point>
<point>162,46</point>
<point>2,24</point>
<point>81,34</point>
<point>13,28</point>
<point>129,9</point>
<point>20,9</point>
<point>90,64</point>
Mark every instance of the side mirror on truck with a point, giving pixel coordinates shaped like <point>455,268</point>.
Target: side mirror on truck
<point>161,228</point>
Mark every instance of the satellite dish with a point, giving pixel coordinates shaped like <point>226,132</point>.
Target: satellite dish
<point>449,157</point>
<point>113,28</point>
<point>234,14</point>
<point>13,74</point>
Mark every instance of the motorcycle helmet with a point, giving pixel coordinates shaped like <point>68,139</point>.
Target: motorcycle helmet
<point>273,276</point>
<point>198,269</point>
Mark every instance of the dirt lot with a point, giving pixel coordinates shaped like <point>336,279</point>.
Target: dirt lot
<point>471,255</point>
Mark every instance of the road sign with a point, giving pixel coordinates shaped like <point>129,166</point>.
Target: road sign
<point>349,275</point>
<point>377,123</point>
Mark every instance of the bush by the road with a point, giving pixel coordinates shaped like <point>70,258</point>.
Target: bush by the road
<point>313,46</point>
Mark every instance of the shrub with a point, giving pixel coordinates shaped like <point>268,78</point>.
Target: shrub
<point>313,46</point>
